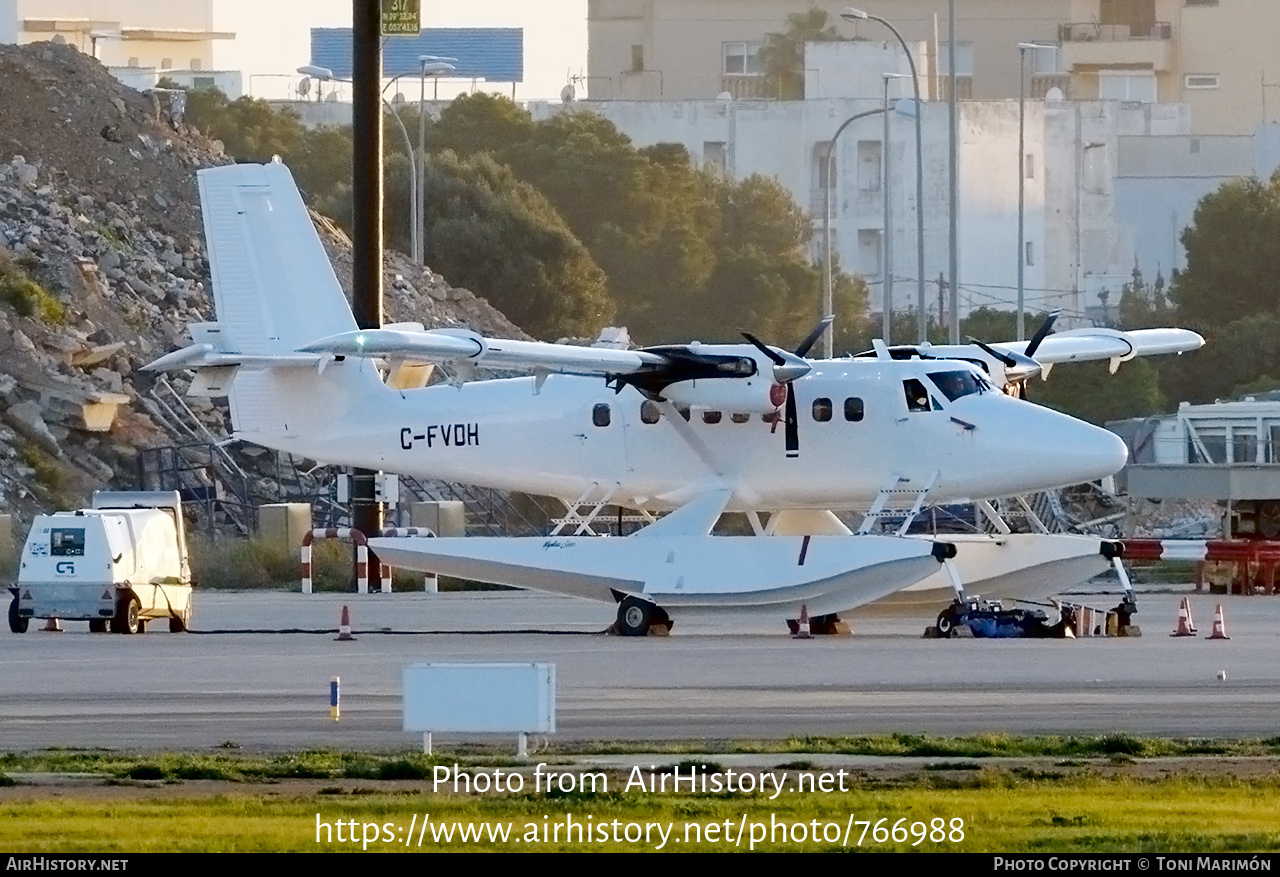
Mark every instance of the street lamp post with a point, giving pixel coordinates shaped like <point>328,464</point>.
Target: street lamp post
<point>432,65</point>
<point>851,14</point>
<point>886,323</point>
<point>828,297</point>
<point>828,304</point>
<point>1022,181</point>
<point>326,75</point>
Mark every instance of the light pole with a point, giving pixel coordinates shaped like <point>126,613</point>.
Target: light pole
<point>828,303</point>
<point>326,75</point>
<point>851,14</point>
<point>1022,180</point>
<point>886,323</point>
<point>432,65</point>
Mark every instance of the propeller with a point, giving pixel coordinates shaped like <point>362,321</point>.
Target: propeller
<point>788,367</point>
<point>1021,367</point>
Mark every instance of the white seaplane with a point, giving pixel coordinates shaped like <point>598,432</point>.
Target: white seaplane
<point>693,430</point>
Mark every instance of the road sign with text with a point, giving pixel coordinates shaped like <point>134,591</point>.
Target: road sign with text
<point>401,18</point>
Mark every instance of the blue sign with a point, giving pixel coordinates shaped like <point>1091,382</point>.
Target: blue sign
<point>494,54</point>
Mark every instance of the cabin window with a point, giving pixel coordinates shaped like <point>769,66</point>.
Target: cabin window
<point>853,409</point>
<point>711,416</point>
<point>737,417</point>
<point>822,410</point>
<point>917,395</point>
<point>600,415</point>
<point>650,412</point>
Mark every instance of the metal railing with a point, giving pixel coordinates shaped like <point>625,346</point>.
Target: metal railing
<point>1092,31</point>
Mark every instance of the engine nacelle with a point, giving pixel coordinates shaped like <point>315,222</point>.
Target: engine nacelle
<point>758,394</point>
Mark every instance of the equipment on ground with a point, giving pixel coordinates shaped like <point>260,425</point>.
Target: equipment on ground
<point>117,565</point>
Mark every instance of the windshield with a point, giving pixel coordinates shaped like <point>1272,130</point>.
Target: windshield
<point>959,383</point>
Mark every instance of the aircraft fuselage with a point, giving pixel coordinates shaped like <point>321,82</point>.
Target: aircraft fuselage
<point>863,425</point>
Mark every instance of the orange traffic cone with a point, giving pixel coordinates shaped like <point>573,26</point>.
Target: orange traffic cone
<point>1184,620</point>
<point>52,626</point>
<point>344,628</point>
<point>1219,627</point>
<point>1190,622</point>
<point>802,628</point>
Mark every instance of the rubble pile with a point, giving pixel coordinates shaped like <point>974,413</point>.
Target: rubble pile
<point>102,267</point>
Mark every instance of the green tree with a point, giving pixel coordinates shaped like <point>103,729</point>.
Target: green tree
<point>493,234</point>
<point>782,55</point>
<point>1233,263</point>
<point>250,129</point>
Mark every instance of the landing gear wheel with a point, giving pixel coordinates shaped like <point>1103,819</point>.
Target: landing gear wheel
<point>634,617</point>
<point>946,623</point>
<point>127,611</point>
<point>17,624</point>
<point>97,625</point>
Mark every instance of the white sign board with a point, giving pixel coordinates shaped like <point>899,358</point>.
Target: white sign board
<point>480,698</point>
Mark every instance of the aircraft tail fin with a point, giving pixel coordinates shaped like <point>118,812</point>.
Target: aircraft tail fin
<point>273,287</point>
<point>274,291</point>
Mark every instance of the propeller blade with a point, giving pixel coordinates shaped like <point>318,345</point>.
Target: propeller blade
<point>765,349</point>
<point>1042,332</point>
<point>1007,360</point>
<point>792,424</point>
<point>823,325</point>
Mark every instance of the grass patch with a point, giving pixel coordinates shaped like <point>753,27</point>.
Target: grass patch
<point>1004,813</point>
<point>27,297</point>
<point>238,563</point>
<point>50,479</point>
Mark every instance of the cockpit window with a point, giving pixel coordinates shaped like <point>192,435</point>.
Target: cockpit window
<point>959,383</point>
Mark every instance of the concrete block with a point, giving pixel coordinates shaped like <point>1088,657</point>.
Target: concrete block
<point>446,518</point>
<point>283,524</point>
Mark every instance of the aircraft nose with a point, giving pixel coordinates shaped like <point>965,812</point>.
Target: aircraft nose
<point>1085,452</point>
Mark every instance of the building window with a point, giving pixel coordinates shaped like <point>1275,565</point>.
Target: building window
<point>600,415</point>
<point>195,64</point>
<point>853,410</point>
<point>742,59</point>
<point>637,59</point>
<point>1138,87</point>
<point>203,82</point>
<point>1031,260</point>
<point>133,62</point>
<point>1202,2</point>
<point>714,155</point>
<point>1044,60</point>
<point>964,59</point>
<point>869,159</point>
<point>1200,80</point>
<point>822,410</point>
<point>869,252</point>
<point>166,63</point>
<point>1029,163</point>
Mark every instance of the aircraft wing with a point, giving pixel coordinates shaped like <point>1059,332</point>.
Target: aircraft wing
<point>462,346</point>
<point>1080,345</point>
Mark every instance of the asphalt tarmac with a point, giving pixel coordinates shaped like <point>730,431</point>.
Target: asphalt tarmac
<point>256,672</point>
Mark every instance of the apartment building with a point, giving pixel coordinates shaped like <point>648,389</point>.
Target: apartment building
<point>139,40</point>
<point>1215,56</point>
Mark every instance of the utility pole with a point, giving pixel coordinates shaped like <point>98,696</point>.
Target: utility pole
<point>366,227</point>
<point>942,301</point>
